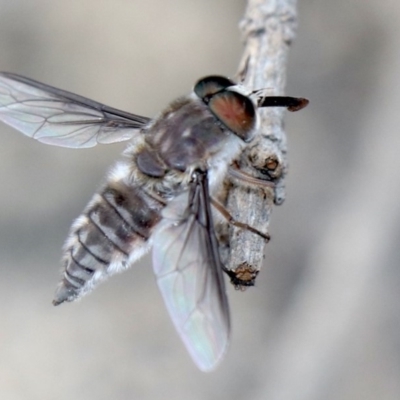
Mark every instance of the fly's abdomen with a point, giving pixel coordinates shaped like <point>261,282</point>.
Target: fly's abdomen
<point>111,234</point>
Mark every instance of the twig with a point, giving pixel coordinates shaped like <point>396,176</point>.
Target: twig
<point>268,29</point>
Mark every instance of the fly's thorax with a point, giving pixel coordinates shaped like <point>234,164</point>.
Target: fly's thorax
<point>185,137</point>
<point>205,130</point>
<point>143,167</point>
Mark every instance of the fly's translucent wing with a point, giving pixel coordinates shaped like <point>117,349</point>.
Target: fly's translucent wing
<point>57,117</point>
<point>189,274</point>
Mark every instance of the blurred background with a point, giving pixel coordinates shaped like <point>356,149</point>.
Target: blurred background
<point>323,321</point>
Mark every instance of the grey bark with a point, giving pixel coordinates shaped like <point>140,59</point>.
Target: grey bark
<point>268,29</point>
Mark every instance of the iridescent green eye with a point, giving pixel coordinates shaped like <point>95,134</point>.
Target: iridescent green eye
<point>236,112</point>
<point>208,86</point>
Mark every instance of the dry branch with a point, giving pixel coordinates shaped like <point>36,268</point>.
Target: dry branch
<point>268,28</point>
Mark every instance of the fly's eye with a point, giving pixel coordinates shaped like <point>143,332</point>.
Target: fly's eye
<point>235,111</point>
<point>210,85</point>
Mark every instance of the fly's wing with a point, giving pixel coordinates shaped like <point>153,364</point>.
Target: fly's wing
<point>57,117</point>
<point>189,274</point>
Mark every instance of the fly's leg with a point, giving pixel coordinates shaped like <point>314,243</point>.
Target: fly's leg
<point>232,221</point>
<point>237,174</point>
<point>244,275</point>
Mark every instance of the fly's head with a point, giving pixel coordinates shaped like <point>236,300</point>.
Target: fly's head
<point>234,110</point>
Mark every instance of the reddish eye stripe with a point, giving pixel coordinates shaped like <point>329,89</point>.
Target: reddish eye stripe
<point>235,111</point>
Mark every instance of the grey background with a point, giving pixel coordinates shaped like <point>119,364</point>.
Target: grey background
<point>323,321</point>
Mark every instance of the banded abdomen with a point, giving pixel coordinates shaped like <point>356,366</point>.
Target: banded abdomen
<point>110,235</point>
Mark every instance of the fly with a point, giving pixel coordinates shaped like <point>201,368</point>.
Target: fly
<point>161,194</point>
